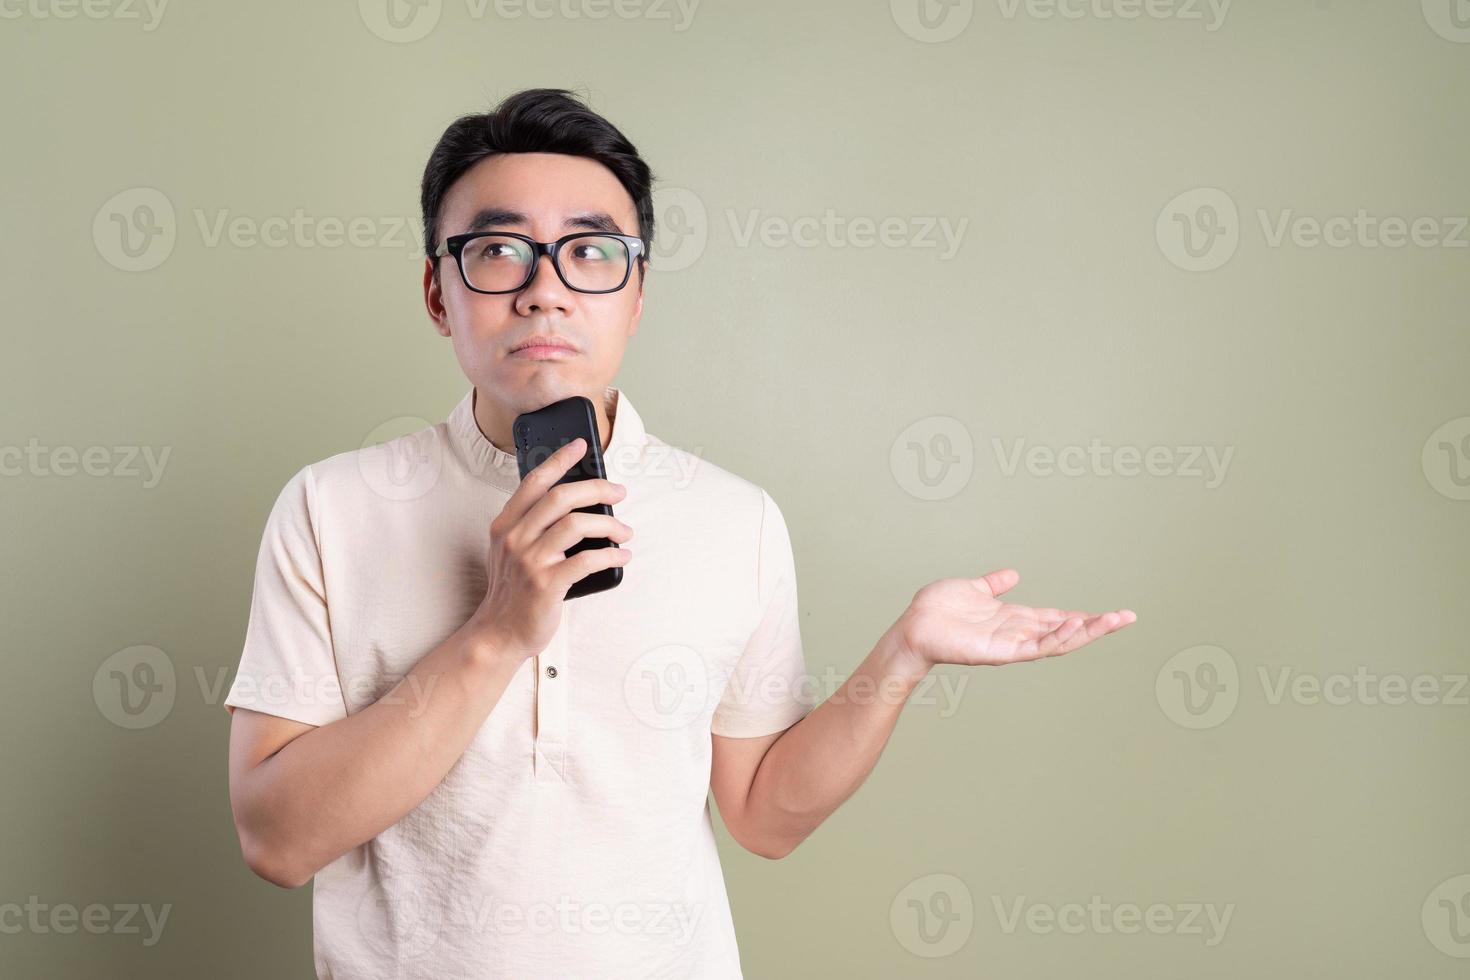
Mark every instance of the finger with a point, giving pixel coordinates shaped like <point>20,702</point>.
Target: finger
<point>578,525</point>
<point>562,500</point>
<point>1051,643</point>
<point>570,571</point>
<point>998,582</point>
<point>1095,627</point>
<point>541,477</point>
<point>1055,617</point>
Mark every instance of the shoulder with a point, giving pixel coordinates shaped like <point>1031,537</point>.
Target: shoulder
<point>678,475</point>
<point>399,469</point>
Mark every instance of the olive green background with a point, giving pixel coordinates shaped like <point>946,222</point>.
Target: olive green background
<point>841,375</point>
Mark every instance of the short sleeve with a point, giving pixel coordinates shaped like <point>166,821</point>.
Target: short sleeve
<point>287,667</point>
<point>769,689</point>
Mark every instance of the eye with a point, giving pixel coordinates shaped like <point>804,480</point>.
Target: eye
<point>588,250</point>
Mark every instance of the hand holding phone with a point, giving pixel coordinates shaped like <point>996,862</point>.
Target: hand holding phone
<point>546,430</point>
<point>529,569</point>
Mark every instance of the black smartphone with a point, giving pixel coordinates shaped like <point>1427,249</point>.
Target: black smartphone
<point>540,433</point>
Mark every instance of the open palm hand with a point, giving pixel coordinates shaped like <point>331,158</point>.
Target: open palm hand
<point>963,621</point>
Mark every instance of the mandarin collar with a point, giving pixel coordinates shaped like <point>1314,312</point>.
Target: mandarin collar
<point>499,468</point>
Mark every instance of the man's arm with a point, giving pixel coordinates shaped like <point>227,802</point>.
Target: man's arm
<point>774,791</point>
<point>303,795</point>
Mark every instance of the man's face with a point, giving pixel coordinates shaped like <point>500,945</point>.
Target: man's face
<point>545,196</point>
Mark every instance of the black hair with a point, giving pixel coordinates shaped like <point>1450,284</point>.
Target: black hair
<point>535,120</point>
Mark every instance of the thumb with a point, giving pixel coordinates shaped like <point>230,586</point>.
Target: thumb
<point>998,583</point>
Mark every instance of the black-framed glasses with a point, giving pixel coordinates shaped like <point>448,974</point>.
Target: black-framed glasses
<point>505,262</point>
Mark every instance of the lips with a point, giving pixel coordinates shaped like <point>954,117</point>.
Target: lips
<point>543,341</point>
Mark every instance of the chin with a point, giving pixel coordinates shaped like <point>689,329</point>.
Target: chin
<point>542,382</point>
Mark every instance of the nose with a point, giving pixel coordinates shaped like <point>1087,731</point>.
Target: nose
<point>544,292</point>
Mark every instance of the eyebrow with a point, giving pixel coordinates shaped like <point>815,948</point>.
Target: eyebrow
<point>494,217</point>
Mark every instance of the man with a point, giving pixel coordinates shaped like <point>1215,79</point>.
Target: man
<point>483,778</point>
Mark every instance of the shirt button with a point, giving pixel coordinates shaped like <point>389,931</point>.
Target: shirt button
<point>550,671</point>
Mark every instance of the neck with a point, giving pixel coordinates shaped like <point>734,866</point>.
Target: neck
<point>495,419</point>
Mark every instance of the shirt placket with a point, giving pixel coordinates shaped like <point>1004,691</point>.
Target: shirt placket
<point>552,677</point>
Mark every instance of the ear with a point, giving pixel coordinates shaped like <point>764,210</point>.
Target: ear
<point>434,299</point>
<point>637,310</point>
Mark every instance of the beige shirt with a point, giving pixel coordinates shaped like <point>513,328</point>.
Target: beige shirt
<point>573,837</point>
